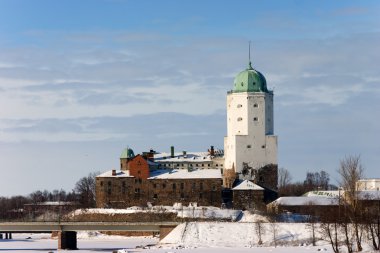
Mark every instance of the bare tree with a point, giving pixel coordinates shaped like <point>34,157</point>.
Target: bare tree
<point>311,225</point>
<point>350,171</point>
<point>330,230</point>
<point>273,226</point>
<point>260,230</point>
<point>85,189</point>
<point>284,178</point>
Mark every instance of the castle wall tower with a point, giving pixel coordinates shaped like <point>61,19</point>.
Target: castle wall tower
<point>250,143</point>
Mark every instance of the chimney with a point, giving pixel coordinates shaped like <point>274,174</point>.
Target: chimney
<point>184,153</point>
<point>172,151</point>
<point>212,151</point>
<point>113,172</point>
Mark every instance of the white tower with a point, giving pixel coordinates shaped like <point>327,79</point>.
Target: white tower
<point>250,143</point>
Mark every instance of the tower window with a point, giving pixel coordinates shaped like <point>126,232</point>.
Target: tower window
<point>255,105</point>
<point>263,146</point>
<point>248,146</point>
<point>239,106</point>
<point>240,119</point>
<point>255,119</point>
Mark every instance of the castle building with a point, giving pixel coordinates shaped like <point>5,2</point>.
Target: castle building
<point>140,181</point>
<point>250,145</point>
<point>247,168</point>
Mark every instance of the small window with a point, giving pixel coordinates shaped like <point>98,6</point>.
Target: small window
<point>109,191</point>
<point>239,106</point>
<point>123,183</point>
<point>182,186</point>
<point>201,185</point>
<point>203,165</point>
<point>240,119</point>
<point>101,183</point>
<point>242,84</point>
<point>136,180</point>
<point>208,165</point>
<point>109,183</point>
<point>137,190</point>
<point>139,172</point>
<point>249,146</point>
<point>155,196</point>
<point>193,186</point>
<point>163,186</point>
<point>174,186</point>
<point>263,146</point>
<point>255,105</point>
<point>216,165</point>
<point>182,196</point>
<point>214,188</point>
<point>140,180</point>
<point>200,195</point>
<point>154,185</point>
<point>255,119</point>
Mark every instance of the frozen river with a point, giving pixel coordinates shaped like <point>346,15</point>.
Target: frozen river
<point>100,243</point>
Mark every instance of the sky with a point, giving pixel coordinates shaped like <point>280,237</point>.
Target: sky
<point>81,80</point>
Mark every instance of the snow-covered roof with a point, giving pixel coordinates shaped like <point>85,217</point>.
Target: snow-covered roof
<point>53,203</point>
<point>302,201</point>
<point>369,195</point>
<point>180,157</point>
<point>185,174</point>
<point>119,173</point>
<point>247,185</point>
<point>325,194</point>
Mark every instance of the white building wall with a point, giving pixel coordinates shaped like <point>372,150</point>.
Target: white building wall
<point>250,130</point>
<point>368,184</point>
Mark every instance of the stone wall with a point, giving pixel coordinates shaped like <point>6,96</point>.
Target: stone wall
<point>122,192</point>
<point>248,199</point>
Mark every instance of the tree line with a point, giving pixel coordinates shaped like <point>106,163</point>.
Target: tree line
<point>83,194</point>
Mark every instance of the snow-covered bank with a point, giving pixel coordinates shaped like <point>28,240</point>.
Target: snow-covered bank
<point>228,234</point>
<point>199,212</point>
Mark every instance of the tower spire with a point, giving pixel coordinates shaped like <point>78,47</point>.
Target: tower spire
<point>249,55</point>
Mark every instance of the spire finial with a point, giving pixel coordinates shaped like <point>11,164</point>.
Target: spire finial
<point>249,55</point>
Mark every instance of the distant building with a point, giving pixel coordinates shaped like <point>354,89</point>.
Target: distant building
<point>310,204</point>
<point>369,184</point>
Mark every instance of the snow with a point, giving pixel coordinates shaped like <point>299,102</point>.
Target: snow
<point>119,173</point>
<point>208,212</point>
<point>179,157</point>
<point>207,237</point>
<point>247,185</point>
<point>232,234</point>
<point>53,203</point>
<point>297,201</point>
<point>182,173</point>
<point>369,195</point>
<point>326,194</point>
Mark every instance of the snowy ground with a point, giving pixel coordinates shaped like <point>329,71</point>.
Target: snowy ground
<point>208,237</point>
<point>43,243</point>
<point>191,237</point>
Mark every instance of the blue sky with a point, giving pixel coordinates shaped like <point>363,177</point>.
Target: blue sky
<point>80,80</point>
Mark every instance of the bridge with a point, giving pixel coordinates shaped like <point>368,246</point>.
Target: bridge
<point>67,231</point>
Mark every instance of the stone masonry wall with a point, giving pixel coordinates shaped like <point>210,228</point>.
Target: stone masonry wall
<point>121,192</point>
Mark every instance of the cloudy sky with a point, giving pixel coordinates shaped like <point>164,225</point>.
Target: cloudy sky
<point>81,80</point>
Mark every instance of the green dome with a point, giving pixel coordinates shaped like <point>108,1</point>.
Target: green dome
<point>250,80</point>
<point>127,153</point>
